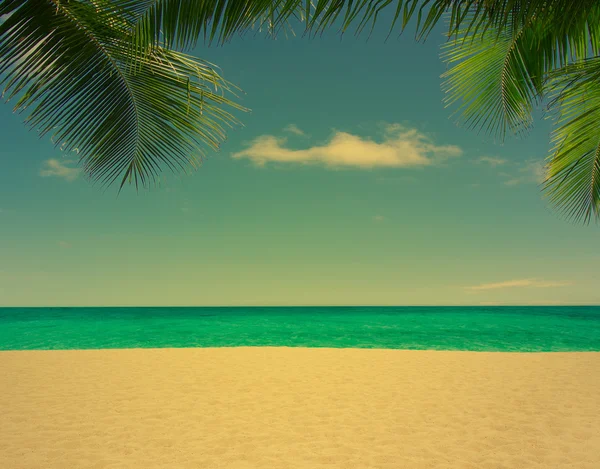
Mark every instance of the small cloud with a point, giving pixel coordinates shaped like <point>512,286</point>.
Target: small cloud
<point>529,282</point>
<point>53,167</point>
<point>184,209</point>
<point>64,244</point>
<point>401,147</point>
<point>378,218</point>
<point>294,129</point>
<point>531,171</point>
<point>492,161</point>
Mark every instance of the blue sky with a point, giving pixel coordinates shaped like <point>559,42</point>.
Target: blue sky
<point>348,184</point>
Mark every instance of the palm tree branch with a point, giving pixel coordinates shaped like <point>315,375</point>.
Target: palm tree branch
<point>61,6</point>
<point>498,76</point>
<point>181,23</point>
<point>573,182</point>
<point>126,116</point>
<point>490,78</point>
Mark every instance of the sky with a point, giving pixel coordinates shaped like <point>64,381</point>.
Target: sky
<point>349,184</point>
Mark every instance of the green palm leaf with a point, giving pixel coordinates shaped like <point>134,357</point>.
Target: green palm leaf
<point>180,23</point>
<point>491,80</point>
<point>573,182</point>
<point>71,68</point>
<point>497,76</point>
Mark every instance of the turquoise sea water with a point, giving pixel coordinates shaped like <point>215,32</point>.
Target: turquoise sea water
<point>440,328</point>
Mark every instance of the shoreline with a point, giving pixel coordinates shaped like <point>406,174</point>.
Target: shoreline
<point>302,347</point>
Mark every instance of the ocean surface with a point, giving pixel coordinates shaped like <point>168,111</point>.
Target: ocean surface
<point>523,329</point>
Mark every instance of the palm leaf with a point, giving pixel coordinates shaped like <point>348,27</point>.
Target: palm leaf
<point>70,66</point>
<point>180,23</point>
<point>498,75</point>
<point>573,182</point>
<point>491,80</point>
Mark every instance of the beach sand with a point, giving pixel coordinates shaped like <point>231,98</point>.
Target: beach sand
<point>298,408</point>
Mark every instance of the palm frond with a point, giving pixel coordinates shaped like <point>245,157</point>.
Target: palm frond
<point>498,76</point>
<point>491,80</point>
<point>573,181</point>
<point>180,23</point>
<point>71,68</point>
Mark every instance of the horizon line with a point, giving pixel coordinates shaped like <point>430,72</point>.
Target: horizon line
<point>316,306</point>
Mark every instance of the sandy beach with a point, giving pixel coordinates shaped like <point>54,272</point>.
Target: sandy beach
<point>298,408</point>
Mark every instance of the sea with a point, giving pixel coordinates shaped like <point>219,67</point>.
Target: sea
<point>506,329</point>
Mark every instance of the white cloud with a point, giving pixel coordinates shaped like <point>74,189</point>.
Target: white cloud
<point>401,147</point>
<point>529,282</point>
<point>492,161</point>
<point>53,167</point>
<point>294,129</point>
<point>378,218</point>
<point>531,171</point>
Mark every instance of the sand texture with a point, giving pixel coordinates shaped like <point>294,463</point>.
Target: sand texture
<point>298,408</point>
